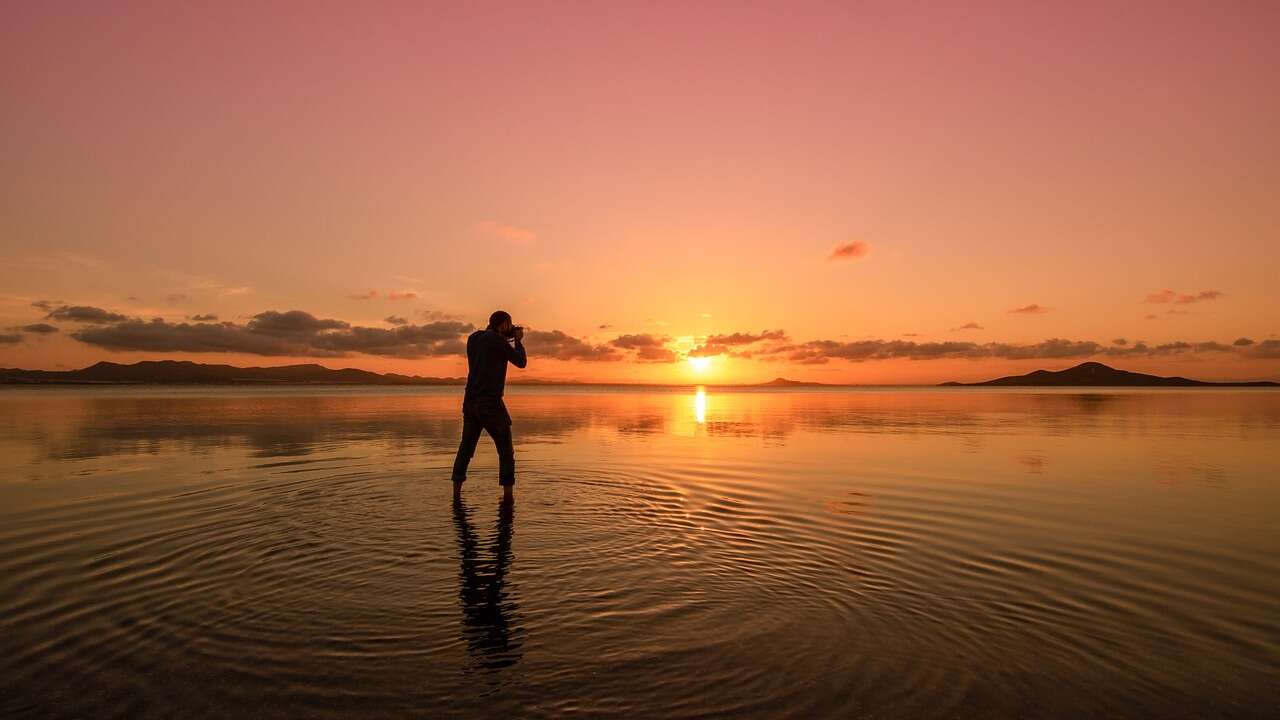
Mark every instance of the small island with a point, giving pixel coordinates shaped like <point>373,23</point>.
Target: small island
<point>1095,374</point>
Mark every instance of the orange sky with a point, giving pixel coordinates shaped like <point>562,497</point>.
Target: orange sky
<point>647,180</point>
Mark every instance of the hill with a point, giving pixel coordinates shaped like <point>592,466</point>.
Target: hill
<point>1095,374</point>
<point>784,382</point>
<point>187,372</point>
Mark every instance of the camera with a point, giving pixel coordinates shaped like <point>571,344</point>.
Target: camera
<point>512,331</point>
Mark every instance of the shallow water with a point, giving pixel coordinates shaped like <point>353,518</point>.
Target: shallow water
<point>876,553</point>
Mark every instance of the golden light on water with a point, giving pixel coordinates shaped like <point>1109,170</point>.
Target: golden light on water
<point>700,404</point>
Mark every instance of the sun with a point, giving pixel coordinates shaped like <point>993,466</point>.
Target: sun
<point>700,364</point>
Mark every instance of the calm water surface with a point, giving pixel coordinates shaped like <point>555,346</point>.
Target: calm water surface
<point>876,554</point>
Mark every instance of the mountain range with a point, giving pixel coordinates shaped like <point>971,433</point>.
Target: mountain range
<point>186,372</point>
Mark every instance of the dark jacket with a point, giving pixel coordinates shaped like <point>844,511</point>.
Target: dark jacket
<point>488,353</point>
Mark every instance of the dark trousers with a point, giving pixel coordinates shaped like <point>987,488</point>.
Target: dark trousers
<point>489,416</point>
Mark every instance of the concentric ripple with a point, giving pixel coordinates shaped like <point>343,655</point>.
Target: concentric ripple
<point>879,554</point>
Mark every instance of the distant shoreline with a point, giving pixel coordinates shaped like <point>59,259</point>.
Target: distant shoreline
<point>186,373</point>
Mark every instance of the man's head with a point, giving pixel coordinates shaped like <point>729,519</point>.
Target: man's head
<point>500,320</point>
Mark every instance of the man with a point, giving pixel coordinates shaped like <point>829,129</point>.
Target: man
<point>488,352</point>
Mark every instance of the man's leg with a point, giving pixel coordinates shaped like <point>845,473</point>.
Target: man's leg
<point>501,434</point>
<point>471,429</point>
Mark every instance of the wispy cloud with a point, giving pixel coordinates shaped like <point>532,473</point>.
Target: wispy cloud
<point>395,320</point>
<point>372,294</point>
<point>1032,309</point>
<point>967,326</point>
<point>404,295</point>
<point>850,251</point>
<point>1170,296</point>
<point>506,232</point>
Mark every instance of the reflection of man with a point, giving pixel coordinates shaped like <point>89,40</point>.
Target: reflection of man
<point>488,352</point>
<point>486,605</point>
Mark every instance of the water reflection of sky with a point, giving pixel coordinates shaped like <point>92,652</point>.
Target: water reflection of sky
<point>99,423</point>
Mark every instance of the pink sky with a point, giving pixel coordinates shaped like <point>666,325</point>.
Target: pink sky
<point>676,171</point>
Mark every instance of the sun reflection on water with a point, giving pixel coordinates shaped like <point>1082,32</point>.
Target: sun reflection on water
<point>700,405</point>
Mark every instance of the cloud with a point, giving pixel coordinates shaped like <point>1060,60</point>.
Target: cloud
<point>967,326</point>
<point>1120,341</point>
<point>849,251</point>
<point>1177,311</point>
<point>395,320</point>
<point>83,314</point>
<point>560,346</point>
<point>1169,296</point>
<point>656,355</point>
<point>293,322</point>
<point>408,295</point>
<point>364,296</point>
<point>293,333</point>
<point>648,348</point>
<point>1150,317</point>
<point>46,305</point>
<point>632,342</point>
<point>724,344</point>
<point>1269,349</point>
<point>10,338</point>
<point>436,315</point>
<point>207,317</point>
<point>1242,342</point>
<point>39,328</point>
<point>175,297</point>
<point>822,351</point>
<point>606,326</point>
<point>1032,309</point>
<point>506,232</point>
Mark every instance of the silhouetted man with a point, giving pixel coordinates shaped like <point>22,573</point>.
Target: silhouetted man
<point>488,352</point>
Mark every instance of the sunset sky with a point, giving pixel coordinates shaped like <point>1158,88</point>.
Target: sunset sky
<point>844,192</point>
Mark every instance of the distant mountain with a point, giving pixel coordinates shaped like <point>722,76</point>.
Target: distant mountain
<point>186,372</point>
<point>1095,374</point>
<point>783,382</point>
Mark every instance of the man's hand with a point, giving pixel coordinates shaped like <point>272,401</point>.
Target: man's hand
<point>519,333</point>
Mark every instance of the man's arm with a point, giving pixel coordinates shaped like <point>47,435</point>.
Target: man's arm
<point>516,353</point>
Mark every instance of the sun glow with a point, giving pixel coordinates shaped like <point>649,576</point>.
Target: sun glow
<point>700,364</point>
